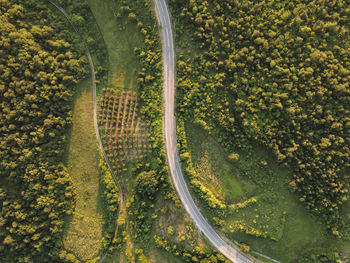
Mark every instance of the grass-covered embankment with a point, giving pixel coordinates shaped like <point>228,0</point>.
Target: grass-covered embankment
<point>84,228</point>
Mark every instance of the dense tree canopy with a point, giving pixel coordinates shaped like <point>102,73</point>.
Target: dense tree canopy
<point>37,75</point>
<point>147,183</point>
<point>276,72</point>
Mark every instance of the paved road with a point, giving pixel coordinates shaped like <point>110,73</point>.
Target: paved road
<point>169,130</point>
<point>93,78</point>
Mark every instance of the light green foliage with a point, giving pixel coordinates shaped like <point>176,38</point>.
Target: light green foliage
<point>110,195</point>
<point>170,230</point>
<point>146,183</point>
<point>244,247</point>
<point>243,204</point>
<point>210,198</point>
<point>111,191</point>
<point>233,156</point>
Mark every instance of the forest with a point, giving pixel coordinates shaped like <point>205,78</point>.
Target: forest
<point>251,75</point>
<point>38,73</point>
<point>42,62</point>
<point>275,73</point>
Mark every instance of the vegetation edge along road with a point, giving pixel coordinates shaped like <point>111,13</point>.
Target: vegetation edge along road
<point>93,78</point>
<point>169,133</point>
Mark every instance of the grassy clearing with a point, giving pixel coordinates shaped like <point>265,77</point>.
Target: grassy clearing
<point>83,232</point>
<point>120,39</point>
<point>113,258</point>
<point>277,213</point>
<point>157,255</point>
<point>173,223</point>
<point>214,168</point>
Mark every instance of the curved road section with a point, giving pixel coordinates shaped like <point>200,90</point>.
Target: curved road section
<point>169,130</point>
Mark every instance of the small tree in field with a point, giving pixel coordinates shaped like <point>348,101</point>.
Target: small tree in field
<point>244,247</point>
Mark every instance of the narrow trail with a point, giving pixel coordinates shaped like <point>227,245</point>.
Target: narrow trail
<point>93,78</point>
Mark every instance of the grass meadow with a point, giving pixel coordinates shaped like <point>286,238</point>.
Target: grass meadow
<point>83,233</point>
<point>278,224</point>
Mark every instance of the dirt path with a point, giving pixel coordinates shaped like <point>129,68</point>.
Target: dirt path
<point>93,78</point>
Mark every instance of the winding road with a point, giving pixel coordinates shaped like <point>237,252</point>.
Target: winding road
<point>169,131</point>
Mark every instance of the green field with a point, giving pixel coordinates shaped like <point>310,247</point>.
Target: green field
<point>288,227</point>
<point>121,37</point>
<point>83,233</point>
<point>213,166</point>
